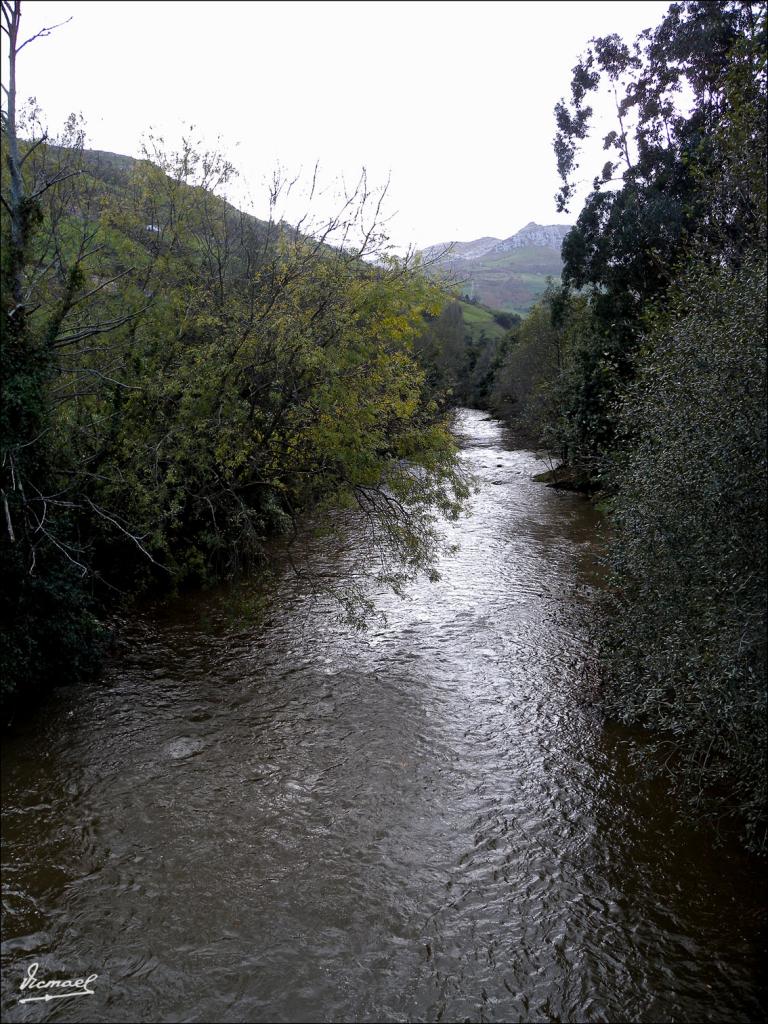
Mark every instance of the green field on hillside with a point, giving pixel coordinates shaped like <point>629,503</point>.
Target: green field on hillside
<point>480,321</point>
<point>510,281</point>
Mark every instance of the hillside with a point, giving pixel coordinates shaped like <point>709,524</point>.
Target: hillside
<point>112,172</point>
<point>481,324</point>
<point>508,274</point>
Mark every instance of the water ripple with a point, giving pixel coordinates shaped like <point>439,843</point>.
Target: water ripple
<point>422,822</point>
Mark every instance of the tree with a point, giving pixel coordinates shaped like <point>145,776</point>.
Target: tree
<point>442,349</point>
<point>52,300</point>
<point>185,380</point>
<point>540,383</point>
<point>684,638</point>
<point>648,202</point>
<point>685,646</point>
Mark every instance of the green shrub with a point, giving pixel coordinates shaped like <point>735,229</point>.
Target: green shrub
<point>687,641</point>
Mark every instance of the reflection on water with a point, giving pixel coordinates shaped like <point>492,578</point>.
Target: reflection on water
<point>421,822</point>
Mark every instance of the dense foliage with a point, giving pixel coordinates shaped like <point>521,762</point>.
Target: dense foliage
<point>181,381</point>
<point>648,204</point>
<point>461,350</point>
<point>539,384</point>
<point>687,640</point>
<point>645,374</point>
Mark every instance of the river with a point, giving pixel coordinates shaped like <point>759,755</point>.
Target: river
<point>284,819</point>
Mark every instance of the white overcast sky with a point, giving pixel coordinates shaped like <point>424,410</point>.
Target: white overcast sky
<point>451,100</point>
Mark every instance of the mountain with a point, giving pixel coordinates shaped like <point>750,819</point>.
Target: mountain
<point>503,273</point>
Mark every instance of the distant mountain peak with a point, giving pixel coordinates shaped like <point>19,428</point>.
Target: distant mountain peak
<point>549,236</point>
<point>462,250</point>
<point>509,273</point>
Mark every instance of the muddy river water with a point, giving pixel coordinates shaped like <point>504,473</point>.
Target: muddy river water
<point>424,821</point>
